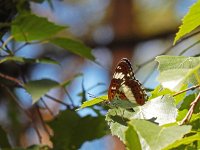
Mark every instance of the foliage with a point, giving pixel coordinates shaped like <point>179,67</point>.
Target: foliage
<point>168,120</point>
<point>177,71</point>
<point>190,21</point>
<point>71,130</point>
<point>160,116</point>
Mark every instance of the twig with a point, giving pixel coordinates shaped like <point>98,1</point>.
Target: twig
<point>42,121</point>
<point>58,101</point>
<point>28,114</point>
<point>188,116</point>
<point>186,49</point>
<point>70,98</point>
<point>11,79</point>
<point>20,47</point>
<point>191,88</point>
<point>167,50</point>
<point>47,107</point>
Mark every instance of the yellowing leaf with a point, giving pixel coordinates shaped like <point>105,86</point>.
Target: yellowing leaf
<point>190,21</point>
<point>94,101</point>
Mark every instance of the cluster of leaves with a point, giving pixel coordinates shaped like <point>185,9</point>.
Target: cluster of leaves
<point>26,29</point>
<point>156,124</point>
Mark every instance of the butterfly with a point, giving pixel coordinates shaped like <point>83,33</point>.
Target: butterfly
<point>125,90</point>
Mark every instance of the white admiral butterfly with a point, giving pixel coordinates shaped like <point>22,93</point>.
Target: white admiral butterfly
<point>125,90</point>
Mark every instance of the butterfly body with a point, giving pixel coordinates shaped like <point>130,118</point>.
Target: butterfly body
<point>125,90</point>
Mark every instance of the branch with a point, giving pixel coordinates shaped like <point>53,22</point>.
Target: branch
<point>42,121</point>
<point>15,80</point>
<point>47,107</point>
<point>59,101</point>
<point>191,88</point>
<point>28,114</point>
<point>169,48</point>
<point>191,110</point>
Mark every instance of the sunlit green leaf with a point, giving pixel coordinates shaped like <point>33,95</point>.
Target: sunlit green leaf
<point>132,139</point>
<point>155,137</point>
<point>29,27</point>
<point>94,101</point>
<point>37,88</point>
<point>190,21</point>
<point>117,122</point>
<point>158,91</point>
<point>73,46</point>
<point>177,71</point>
<point>162,109</point>
<point>184,141</point>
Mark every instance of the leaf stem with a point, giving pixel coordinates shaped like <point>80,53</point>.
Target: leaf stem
<point>188,116</point>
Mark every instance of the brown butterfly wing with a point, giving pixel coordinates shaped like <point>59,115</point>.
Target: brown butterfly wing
<point>124,86</point>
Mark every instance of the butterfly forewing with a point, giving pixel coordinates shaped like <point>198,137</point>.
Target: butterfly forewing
<point>124,85</point>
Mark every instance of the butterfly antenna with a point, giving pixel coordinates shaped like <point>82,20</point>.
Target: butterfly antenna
<point>93,96</point>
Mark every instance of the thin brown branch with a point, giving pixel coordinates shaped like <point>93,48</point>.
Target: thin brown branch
<point>186,49</point>
<point>58,101</point>
<point>191,88</point>
<point>170,48</point>
<point>47,107</point>
<point>42,121</point>
<point>188,116</point>
<point>27,113</point>
<point>70,98</point>
<point>15,80</point>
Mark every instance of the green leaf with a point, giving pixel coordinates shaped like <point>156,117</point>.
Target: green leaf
<point>132,139</point>
<point>155,137</point>
<point>71,131</point>
<point>116,120</point>
<point>37,88</point>
<point>184,141</point>
<point>158,91</point>
<point>73,46</point>
<point>94,101</point>
<point>28,60</point>
<point>29,27</point>
<point>190,21</point>
<point>162,109</point>
<point>177,71</point>
<point>3,139</point>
